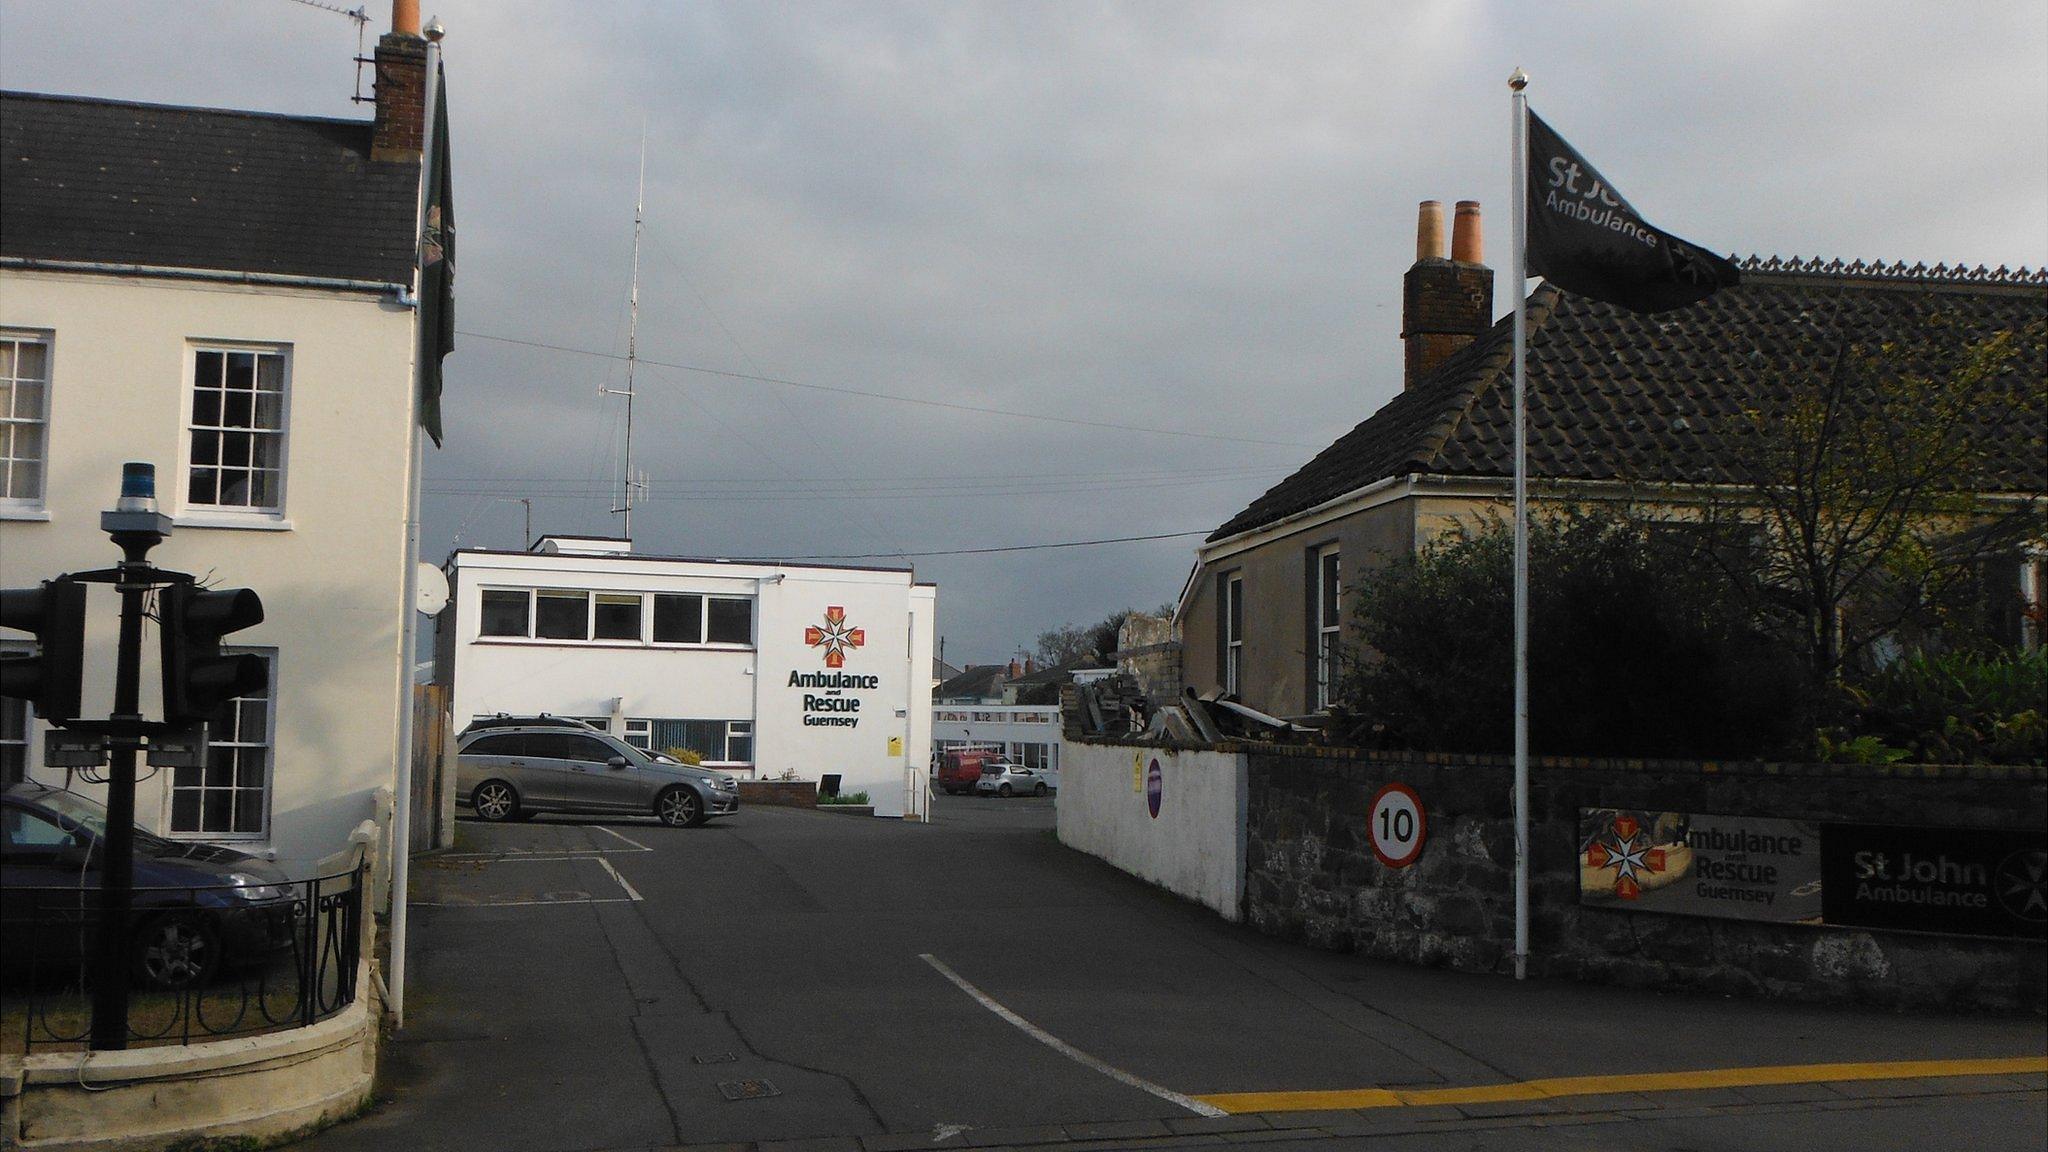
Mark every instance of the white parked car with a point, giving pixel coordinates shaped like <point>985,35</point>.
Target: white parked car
<point>1005,779</point>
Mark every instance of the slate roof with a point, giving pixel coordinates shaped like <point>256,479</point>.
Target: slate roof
<point>977,681</point>
<point>121,183</point>
<point>1660,399</point>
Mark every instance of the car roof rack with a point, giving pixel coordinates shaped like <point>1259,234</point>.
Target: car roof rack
<point>544,720</point>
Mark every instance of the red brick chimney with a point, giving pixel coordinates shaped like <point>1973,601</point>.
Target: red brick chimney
<point>401,58</point>
<point>1445,304</point>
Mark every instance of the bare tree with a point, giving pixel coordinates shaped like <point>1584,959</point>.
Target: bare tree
<point>1860,509</point>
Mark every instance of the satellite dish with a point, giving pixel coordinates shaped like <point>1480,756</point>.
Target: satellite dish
<point>432,594</point>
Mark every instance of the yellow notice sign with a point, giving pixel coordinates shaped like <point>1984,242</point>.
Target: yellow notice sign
<point>895,745</point>
<point>1137,772</point>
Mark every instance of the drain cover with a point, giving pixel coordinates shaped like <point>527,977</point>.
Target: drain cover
<point>715,1058</point>
<point>747,1089</point>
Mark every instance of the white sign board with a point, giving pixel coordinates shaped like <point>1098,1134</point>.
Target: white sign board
<point>1397,826</point>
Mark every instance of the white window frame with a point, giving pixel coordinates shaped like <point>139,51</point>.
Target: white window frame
<point>1329,625</point>
<point>1039,757</point>
<point>232,515</point>
<point>1233,632</point>
<point>734,728</point>
<point>16,705</point>
<point>30,507</point>
<point>646,639</point>
<point>639,733</point>
<point>269,770</point>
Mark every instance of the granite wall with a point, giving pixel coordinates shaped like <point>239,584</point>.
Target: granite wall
<point>1311,874</point>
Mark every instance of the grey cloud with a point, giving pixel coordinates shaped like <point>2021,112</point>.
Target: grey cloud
<point>1187,216</point>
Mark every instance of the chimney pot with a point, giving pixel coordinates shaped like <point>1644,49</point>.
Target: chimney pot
<point>1445,304</point>
<point>1429,230</point>
<point>401,64</point>
<point>1467,244</point>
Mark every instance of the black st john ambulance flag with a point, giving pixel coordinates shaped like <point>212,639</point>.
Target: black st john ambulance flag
<point>1584,238</point>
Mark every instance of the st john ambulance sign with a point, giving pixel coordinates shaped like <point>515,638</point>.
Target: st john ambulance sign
<point>1952,881</point>
<point>1958,881</point>
<point>1691,864</point>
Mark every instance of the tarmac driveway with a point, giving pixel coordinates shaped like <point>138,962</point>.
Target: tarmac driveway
<point>789,974</point>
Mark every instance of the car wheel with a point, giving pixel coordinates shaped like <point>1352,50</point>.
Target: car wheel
<point>1040,790</point>
<point>176,950</point>
<point>495,801</point>
<point>679,808</point>
<point>1003,790</point>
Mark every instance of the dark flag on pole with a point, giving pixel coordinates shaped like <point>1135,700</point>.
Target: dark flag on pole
<point>437,267</point>
<point>1586,239</point>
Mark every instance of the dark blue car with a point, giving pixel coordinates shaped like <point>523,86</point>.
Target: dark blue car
<point>198,907</point>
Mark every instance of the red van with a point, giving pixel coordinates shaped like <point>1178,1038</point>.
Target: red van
<point>959,768</point>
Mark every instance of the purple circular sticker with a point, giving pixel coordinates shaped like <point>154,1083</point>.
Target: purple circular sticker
<point>1155,785</point>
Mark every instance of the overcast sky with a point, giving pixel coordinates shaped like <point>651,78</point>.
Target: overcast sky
<point>1188,218</point>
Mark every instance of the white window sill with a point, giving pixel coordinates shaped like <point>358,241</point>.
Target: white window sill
<point>257,523</point>
<point>27,514</point>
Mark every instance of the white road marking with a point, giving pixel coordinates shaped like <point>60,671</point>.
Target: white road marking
<point>536,853</point>
<point>518,903</point>
<point>535,859</point>
<point>1068,1050</point>
<point>621,879</point>
<point>637,846</point>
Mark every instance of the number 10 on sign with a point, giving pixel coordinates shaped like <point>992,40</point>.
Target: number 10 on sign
<point>1397,826</point>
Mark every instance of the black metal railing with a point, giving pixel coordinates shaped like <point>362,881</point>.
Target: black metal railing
<point>205,962</point>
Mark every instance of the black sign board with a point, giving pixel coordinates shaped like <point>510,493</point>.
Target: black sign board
<point>1962,881</point>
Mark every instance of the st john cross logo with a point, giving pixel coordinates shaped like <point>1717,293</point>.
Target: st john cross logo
<point>1626,849</point>
<point>835,637</point>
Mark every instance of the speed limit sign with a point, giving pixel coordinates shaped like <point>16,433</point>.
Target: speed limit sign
<point>1397,826</point>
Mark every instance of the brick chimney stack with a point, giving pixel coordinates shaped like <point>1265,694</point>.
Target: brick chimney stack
<point>401,57</point>
<point>1445,304</point>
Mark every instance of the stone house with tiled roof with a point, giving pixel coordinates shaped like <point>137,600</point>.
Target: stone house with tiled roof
<point>1620,405</point>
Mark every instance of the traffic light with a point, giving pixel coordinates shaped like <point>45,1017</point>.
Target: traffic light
<point>198,679</point>
<point>52,678</point>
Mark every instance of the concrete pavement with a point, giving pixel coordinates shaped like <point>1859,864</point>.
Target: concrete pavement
<point>794,975</point>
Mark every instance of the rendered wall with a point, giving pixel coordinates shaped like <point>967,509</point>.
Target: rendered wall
<point>1194,847</point>
<point>331,572</point>
<point>875,755</point>
<point>1278,661</point>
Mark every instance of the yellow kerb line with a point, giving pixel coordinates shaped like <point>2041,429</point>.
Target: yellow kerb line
<point>1629,1082</point>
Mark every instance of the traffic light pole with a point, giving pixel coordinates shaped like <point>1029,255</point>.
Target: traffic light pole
<point>197,679</point>
<point>117,869</point>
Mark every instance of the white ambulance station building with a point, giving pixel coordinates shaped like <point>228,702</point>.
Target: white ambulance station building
<point>768,670</point>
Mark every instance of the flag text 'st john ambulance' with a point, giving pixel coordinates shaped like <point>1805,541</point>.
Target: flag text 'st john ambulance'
<point>1585,238</point>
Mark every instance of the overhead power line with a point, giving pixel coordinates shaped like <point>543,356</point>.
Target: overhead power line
<point>982,551</point>
<point>897,397</point>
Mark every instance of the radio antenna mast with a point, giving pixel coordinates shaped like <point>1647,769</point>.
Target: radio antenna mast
<point>627,481</point>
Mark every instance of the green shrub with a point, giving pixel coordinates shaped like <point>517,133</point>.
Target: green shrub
<point>1960,707</point>
<point>845,798</point>
<point>686,755</point>
<point>1638,647</point>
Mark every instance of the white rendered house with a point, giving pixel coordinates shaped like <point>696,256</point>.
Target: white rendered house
<point>766,670</point>
<point>228,296</point>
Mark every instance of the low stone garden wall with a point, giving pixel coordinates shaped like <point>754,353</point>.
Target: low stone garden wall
<point>779,793</point>
<point>1311,873</point>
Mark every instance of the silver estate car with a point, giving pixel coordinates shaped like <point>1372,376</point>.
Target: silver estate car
<point>510,768</point>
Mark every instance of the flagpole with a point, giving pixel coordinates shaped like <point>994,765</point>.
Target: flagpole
<point>1520,135</point>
